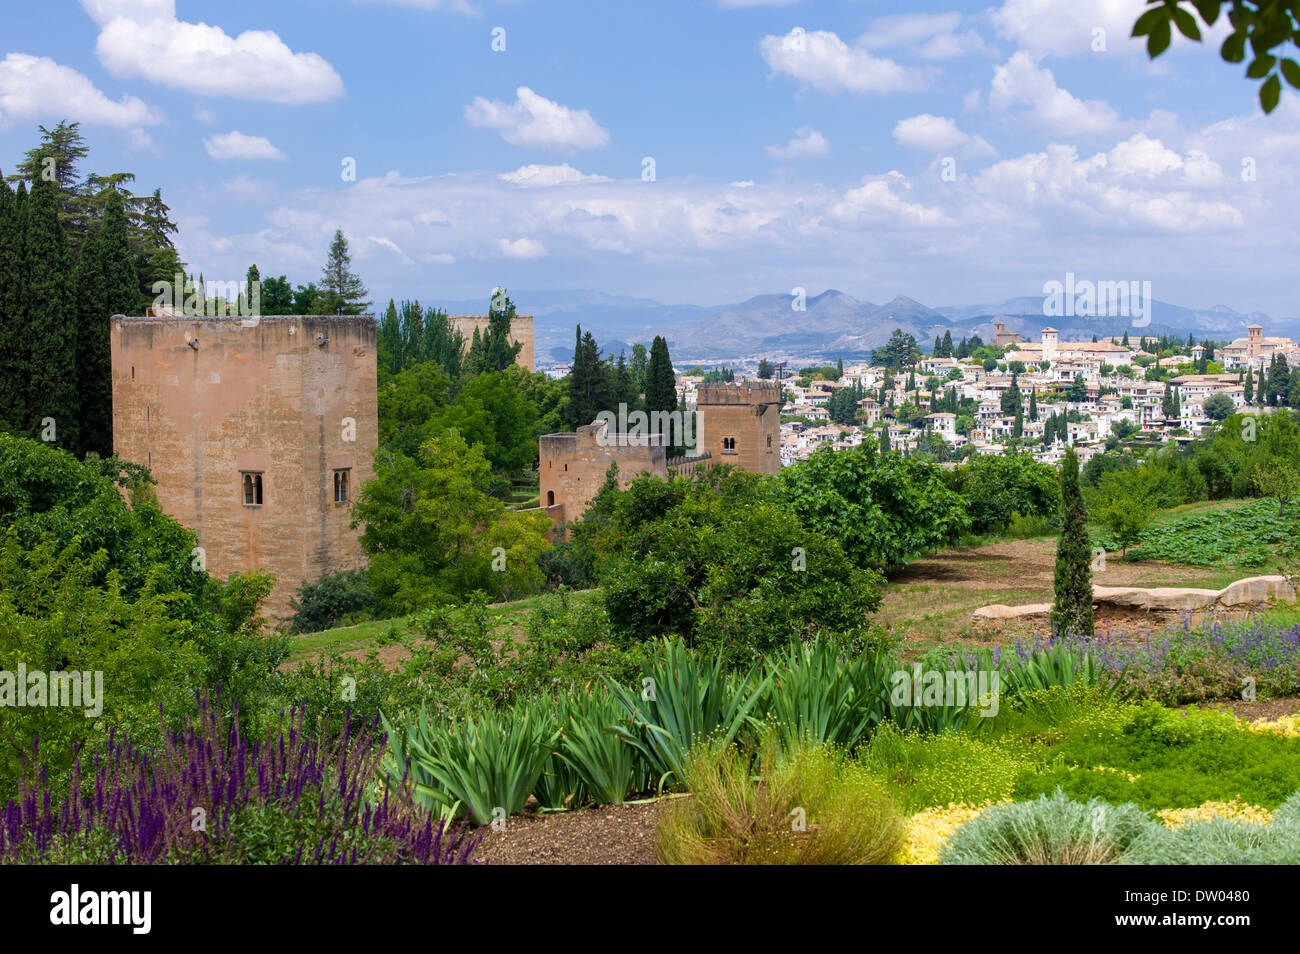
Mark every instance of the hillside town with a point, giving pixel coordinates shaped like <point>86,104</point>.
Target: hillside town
<point>1034,396</point>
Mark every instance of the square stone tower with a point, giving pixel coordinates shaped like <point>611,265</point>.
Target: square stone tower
<point>740,425</point>
<point>259,432</point>
<point>572,466</point>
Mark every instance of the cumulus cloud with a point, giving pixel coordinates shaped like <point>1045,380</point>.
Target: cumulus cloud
<point>938,134</point>
<point>533,120</point>
<point>821,60</point>
<point>1095,27</point>
<point>521,248</point>
<point>806,144</point>
<point>143,39</point>
<point>931,36</point>
<point>1022,82</point>
<point>36,87</point>
<point>235,145</point>
<point>539,175</point>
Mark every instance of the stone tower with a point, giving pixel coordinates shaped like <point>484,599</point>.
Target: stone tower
<point>259,432</point>
<point>740,425</point>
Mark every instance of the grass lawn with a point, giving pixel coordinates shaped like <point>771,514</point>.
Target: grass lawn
<point>361,637</point>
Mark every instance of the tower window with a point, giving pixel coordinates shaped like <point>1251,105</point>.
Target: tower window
<point>252,488</point>
<point>342,482</point>
<point>729,444</point>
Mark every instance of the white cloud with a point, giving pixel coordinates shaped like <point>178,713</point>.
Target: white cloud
<point>806,144</point>
<point>823,61</point>
<point>384,242</point>
<point>931,36</point>
<point>533,120</point>
<point>1022,82</point>
<point>539,175</point>
<point>235,145</point>
<point>881,200</point>
<point>143,39</point>
<point>206,116</point>
<point>36,87</point>
<point>455,6</point>
<point>1072,28</point>
<point>743,184</point>
<point>521,248</point>
<point>938,134</point>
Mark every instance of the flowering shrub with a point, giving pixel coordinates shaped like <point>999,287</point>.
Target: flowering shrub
<point>211,796</point>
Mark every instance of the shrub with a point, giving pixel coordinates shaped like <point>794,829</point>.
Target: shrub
<point>925,771</point>
<point>326,602</point>
<point>1220,841</point>
<point>1051,830</point>
<point>210,796</point>
<point>1158,758</point>
<point>807,805</point>
<point>482,767</point>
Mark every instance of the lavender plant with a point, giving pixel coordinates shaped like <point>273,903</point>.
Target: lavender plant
<point>209,795</point>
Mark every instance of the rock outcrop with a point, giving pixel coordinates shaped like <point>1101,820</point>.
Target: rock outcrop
<point>1252,590</point>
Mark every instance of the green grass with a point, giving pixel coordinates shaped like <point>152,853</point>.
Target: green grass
<point>363,636</point>
<point>1247,535</point>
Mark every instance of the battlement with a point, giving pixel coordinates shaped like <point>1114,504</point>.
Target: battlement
<point>521,332</point>
<point>746,393</point>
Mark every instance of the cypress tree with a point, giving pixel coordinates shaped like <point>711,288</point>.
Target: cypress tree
<point>13,309</point>
<point>94,392</point>
<point>1072,609</point>
<point>884,439</point>
<point>50,334</point>
<point>1033,404</point>
<point>661,384</point>
<point>947,344</point>
<point>1250,386</point>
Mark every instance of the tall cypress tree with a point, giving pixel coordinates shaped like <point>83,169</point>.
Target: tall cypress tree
<point>1072,609</point>
<point>1250,386</point>
<point>13,309</point>
<point>50,335</point>
<point>106,286</point>
<point>661,385</point>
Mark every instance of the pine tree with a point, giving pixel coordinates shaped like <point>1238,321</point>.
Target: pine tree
<point>498,351</point>
<point>474,356</point>
<point>13,309</point>
<point>947,344</point>
<point>50,333</point>
<point>342,291</point>
<point>1072,609</point>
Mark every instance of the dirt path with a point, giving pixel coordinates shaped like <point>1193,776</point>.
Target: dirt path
<point>610,835</point>
<point>931,600</point>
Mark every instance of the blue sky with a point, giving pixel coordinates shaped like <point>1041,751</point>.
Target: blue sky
<point>796,143</point>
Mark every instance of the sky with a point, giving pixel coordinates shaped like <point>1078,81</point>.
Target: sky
<point>690,152</point>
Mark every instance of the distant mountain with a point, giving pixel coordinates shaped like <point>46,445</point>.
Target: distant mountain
<point>831,325</point>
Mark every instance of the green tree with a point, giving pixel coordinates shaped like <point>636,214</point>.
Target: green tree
<point>1219,406</point>
<point>1126,516</point>
<point>342,291</point>
<point>1279,479</point>
<point>885,509</point>
<point>1072,585</point>
<point>492,414</point>
<point>661,386</point>
<point>13,310</point>
<point>898,352</point>
<point>498,352</point>
<point>50,334</point>
<point>432,534</point>
<point>765,370</point>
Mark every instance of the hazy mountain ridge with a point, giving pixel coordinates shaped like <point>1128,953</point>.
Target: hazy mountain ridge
<point>832,324</point>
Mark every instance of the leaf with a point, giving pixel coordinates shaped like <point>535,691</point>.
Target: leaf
<point>1234,48</point>
<point>1186,23</point>
<point>1270,92</point>
<point>1261,67</point>
<point>1159,39</point>
<point>1291,70</point>
<point>1208,9</point>
<point>1149,20</point>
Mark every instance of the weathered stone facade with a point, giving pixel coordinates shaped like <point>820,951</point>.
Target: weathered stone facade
<point>259,433</point>
<point>573,466</point>
<point>521,332</point>
<point>740,425</point>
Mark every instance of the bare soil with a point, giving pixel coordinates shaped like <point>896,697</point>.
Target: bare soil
<point>609,835</point>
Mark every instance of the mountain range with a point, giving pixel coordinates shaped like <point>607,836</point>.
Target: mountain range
<point>831,325</point>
